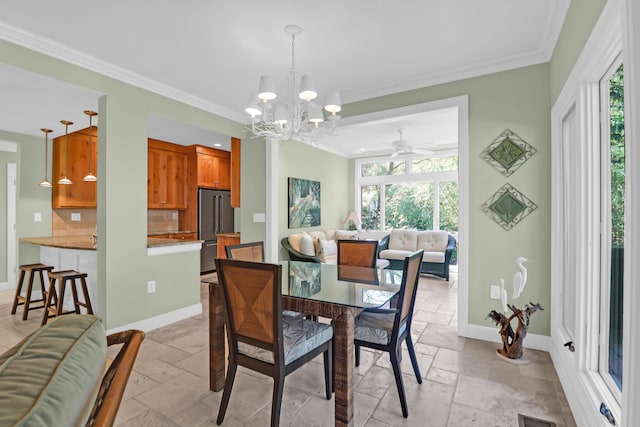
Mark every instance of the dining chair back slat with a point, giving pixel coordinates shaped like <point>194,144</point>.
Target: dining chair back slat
<point>253,251</point>
<point>250,297</point>
<point>358,253</point>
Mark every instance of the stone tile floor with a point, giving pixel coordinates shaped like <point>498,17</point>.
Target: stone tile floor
<point>464,382</point>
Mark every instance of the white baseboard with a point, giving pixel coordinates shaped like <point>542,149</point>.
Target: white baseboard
<point>486,333</point>
<point>161,320</point>
<point>5,286</point>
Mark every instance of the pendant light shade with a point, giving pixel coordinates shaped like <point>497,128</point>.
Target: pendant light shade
<point>90,177</point>
<point>45,182</point>
<point>64,180</point>
<point>307,88</point>
<point>252,106</point>
<point>333,102</point>
<point>267,89</point>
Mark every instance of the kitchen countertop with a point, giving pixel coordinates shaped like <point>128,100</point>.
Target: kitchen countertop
<point>228,234</point>
<point>86,242</point>
<point>164,233</point>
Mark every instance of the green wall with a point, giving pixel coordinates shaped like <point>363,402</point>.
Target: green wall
<point>123,264</point>
<point>517,100</point>
<point>578,24</point>
<point>298,160</point>
<point>32,198</point>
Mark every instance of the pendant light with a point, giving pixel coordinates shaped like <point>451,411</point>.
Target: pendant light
<point>45,182</point>
<point>90,176</point>
<point>64,180</point>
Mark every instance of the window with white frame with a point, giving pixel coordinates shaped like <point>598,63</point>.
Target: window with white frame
<point>612,178</point>
<point>419,193</point>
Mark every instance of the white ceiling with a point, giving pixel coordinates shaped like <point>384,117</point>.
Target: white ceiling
<point>210,54</point>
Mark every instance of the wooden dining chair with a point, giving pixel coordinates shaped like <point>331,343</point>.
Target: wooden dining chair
<point>253,251</point>
<point>262,339</point>
<point>358,253</point>
<point>386,329</point>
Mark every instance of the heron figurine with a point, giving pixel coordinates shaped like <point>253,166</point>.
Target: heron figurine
<point>520,277</point>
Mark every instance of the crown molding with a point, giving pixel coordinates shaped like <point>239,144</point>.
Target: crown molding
<point>59,51</point>
<point>540,55</point>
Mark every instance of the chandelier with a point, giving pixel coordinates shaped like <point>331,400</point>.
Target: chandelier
<point>298,116</point>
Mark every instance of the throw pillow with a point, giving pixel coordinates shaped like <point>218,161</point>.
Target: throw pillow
<point>317,243</point>
<point>306,244</point>
<point>346,235</point>
<point>294,241</point>
<point>329,247</point>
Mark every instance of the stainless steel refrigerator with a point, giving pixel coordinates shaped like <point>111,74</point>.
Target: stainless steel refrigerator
<point>215,215</point>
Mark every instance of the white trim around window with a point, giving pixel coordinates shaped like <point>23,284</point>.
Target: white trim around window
<point>575,218</point>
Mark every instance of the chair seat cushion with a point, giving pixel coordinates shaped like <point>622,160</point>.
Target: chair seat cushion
<point>375,327</point>
<point>399,254</point>
<point>434,257</point>
<point>51,378</point>
<point>300,336</point>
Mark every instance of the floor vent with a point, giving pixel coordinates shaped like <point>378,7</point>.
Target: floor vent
<point>526,421</point>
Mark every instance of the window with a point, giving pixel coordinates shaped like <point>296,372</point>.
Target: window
<point>417,193</point>
<point>612,219</point>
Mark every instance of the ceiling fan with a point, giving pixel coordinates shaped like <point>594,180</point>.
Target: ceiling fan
<point>402,146</point>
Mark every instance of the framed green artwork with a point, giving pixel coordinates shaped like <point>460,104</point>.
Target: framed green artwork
<point>507,152</point>
<point>508,207</point>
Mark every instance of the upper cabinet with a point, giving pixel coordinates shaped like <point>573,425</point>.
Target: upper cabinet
<point>71,158</point>
<point>213,167</point>
<point>167,175</point>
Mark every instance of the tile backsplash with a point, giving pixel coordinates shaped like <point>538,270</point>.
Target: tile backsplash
<point>65,222</point>
<point>73,222</point>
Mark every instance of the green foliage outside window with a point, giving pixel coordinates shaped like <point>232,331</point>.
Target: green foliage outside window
<point>616,111</point>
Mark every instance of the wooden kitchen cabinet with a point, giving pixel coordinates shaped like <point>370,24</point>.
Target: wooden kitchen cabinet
<point>80,194</point>
<point>225,240</point>
<point>213,168</point>
<point>167,175</point>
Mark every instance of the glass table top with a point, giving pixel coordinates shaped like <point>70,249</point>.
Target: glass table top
<point>345,285</point>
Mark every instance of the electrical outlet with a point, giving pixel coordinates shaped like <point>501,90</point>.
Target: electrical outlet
<point>174,215</point>
<point>495,292</point>
<point>37,217</point>
<point>75,216</point>
<point>151,286</point>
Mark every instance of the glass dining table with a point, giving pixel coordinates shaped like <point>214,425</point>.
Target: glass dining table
<point>336,292</point>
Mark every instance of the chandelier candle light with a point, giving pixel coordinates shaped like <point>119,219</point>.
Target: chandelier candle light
<point>297,118</point>
<point>90,176</point>
<point>64,180</point>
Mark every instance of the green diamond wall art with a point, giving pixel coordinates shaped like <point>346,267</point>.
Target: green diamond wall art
<point>508,207</point>
<point>507,152</point>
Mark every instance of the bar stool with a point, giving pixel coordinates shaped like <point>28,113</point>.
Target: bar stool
<point>26,300</point>
<point>55,299</point>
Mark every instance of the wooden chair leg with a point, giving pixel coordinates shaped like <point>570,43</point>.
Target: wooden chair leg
<point>51,294</point>
<point>414,360</point>
<point>18,290</point>
<point>228,385</point>
<point>397,373</point>
<point>328,370</point>
<point>60,302</point>
<point>85,293</point>
<point>278,388</point>
<point>74,291</point>
<point>27,299</point>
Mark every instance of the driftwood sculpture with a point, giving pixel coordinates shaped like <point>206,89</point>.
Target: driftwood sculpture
<point>512,341</point>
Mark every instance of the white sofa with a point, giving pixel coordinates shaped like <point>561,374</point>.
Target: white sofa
<point>438,247</point>
<point>316,245</point>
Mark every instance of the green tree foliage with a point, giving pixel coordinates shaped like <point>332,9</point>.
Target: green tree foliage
<point>616,111</point>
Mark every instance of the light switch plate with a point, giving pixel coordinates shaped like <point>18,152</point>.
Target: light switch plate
<point>37,217</point>
<point>75,216</point>
<point>495,292</point>
<point>259,217</point>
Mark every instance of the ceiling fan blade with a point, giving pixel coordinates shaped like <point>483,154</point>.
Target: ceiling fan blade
<point>423,151</point>
<point>394,155</point>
